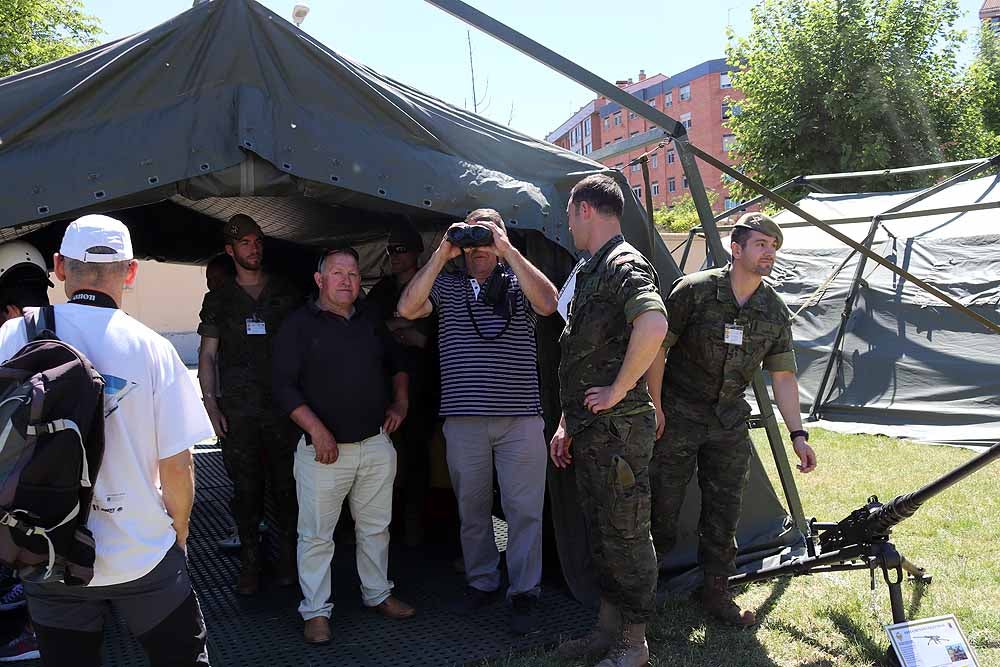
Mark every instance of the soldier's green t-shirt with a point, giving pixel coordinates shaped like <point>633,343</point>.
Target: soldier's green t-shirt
<point>245,328</point>
<point>613,288</point>
<point>707,375</point>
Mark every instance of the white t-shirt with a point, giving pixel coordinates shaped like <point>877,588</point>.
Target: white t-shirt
<point>152,412</point>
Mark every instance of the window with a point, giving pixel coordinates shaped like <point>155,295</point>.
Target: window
<point>607,123</point>
<point>617,139</point>
<point>651,102</point>
<point>686,120</point>
<point>586,128</point>
<point>724,81</point>
<point>588,148</point>
<point>618,118</point>
<point>607,143</point>
<point>685,182</point>
<point>668,99</point>
<point>633,133</point>
<point>728,141</point>
<point>731,203</point>
<point>671,184</point>
<point>637,191</point>
<point>685,92</point>
<point>727,111</point>
<point>671,157</point>
<point>575,136</point>
<point>654,160</point>
<point>632,114</point>
<point>654,187</point>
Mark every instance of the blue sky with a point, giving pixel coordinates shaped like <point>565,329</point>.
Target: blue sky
<point>416,43</point>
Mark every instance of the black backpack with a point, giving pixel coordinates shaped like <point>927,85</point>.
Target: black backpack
<point>51,445</point>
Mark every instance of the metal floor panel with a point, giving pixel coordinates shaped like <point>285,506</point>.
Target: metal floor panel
<point>266,630</point>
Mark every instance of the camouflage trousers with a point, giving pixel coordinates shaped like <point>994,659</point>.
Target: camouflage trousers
<point>722,457</point>
<point>611,456</point>
<point>259,452</point>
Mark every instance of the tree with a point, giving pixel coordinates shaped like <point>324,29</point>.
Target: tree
<point>34,32</point>
<point>682,215</point>
<point>978,100</point>
<point>849,85</point>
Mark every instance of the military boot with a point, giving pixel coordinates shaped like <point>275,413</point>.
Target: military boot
<point>630,650</point>
<point>598,640</point>
<point>716,599</point>
<point>248,582</point>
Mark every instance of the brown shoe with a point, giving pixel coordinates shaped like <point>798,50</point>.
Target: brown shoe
<point>317,630</point>
<point>716,599</point>
<point>395,608</point>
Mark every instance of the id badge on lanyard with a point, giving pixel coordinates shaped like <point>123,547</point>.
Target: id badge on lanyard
<point>733,334</point>
<point>256,326</point>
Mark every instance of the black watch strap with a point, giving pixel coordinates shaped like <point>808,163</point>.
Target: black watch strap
<point>795,434</point>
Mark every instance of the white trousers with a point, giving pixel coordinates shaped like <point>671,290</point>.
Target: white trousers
<point>363,474</point>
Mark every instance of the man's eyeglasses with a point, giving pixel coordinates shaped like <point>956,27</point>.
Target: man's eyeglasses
<point>397,249</point>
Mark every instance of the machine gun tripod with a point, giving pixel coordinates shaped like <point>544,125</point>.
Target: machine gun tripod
<point>861,541</point>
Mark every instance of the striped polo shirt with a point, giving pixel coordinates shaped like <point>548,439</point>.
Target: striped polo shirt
<point>486,370</point>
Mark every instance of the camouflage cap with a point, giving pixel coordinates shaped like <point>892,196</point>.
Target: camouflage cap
<point>239,226</point>
<point>759,222</point>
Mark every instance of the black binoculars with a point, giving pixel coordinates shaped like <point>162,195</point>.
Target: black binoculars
<point>469,236</point>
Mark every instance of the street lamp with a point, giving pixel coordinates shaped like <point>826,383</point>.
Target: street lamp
<point>299,13</point>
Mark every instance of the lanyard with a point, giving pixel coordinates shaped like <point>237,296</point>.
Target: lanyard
<point>86,297</point>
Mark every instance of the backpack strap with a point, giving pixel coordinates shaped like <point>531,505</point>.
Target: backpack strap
<point>40,322</point>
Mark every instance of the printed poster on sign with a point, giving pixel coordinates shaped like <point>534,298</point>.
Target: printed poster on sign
<point>931,642</point>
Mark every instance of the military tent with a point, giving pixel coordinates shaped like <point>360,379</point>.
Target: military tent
<point>910,366</point>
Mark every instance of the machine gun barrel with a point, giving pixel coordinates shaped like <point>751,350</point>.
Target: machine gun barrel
<point>881,520</point>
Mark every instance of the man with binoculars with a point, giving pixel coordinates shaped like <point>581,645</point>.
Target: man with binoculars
<point>490,400</point>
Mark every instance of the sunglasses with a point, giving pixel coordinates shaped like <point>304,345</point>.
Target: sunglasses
<point>397,249</point>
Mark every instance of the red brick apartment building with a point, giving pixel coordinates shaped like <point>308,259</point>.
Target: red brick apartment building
<point>990,11</point>
<point>613,136</point>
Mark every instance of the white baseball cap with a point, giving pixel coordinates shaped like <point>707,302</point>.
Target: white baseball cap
<point>96,238</point>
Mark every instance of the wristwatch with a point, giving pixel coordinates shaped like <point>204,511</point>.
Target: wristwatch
<point>795,434</point>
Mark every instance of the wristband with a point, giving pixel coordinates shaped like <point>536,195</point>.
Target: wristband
<point>795,434</point>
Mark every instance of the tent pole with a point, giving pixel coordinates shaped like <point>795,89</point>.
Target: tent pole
<point>685,152</point>
<point>899,215</point>
<point>644,161</point>
<point>687,250</point>
<point>940,166</point>
<point>835,358</point>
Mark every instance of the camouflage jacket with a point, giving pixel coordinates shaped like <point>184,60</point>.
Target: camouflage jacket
<point>705,375</point>
<point>613,287</point>
<point>244,358</point>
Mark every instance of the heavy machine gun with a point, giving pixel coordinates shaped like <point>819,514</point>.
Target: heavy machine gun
<point>861,541</point>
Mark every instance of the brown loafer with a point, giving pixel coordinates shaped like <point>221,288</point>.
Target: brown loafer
<point>395,608</point>
<point>317,630</point>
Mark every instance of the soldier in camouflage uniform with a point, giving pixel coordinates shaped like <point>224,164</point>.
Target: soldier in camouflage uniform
<point>238,322</point>
<point>723,324</point>
<point>613,334</point>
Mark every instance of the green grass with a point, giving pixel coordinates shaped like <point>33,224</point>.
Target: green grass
<point>834,620</point>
